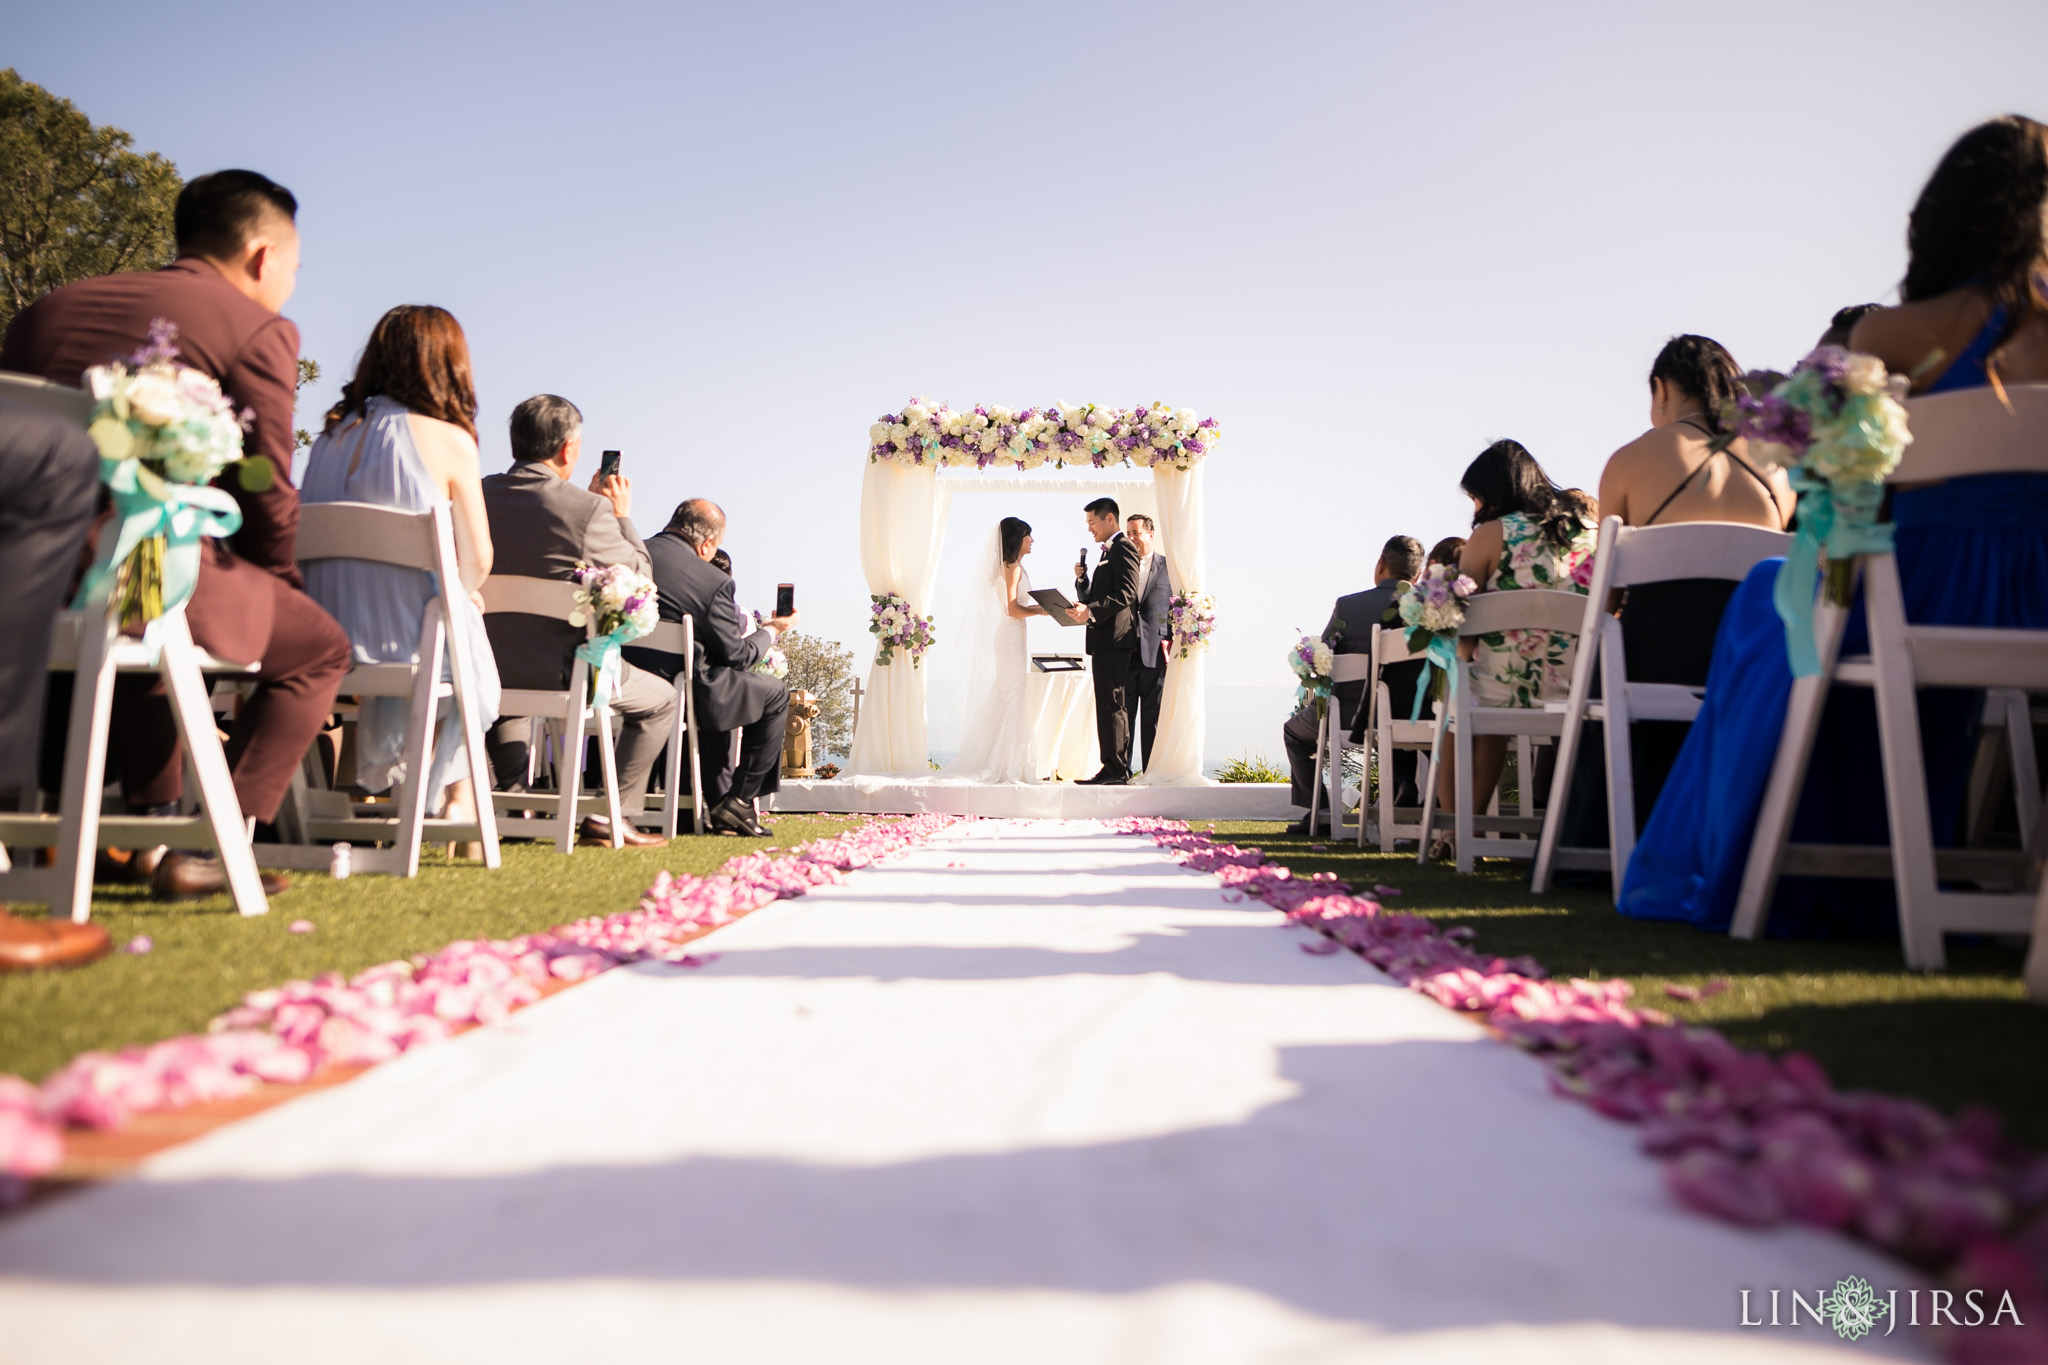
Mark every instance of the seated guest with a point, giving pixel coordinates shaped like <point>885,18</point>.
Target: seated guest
<point>1349,631</point>
<point>404,435</point>
<point>1155,626</point>
<point>238,259</point>
<point>1970,552</point>
<point>1843,324</point>
<point>1670,472</point>
<point>1667,475</point>
<point>1448,552</point>
<point>49,488</point>
<point>727,696</point>
<point>1524,535</point>
<point>543,526</point>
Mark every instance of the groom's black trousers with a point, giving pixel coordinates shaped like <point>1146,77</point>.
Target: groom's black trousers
<point>1114,672</point>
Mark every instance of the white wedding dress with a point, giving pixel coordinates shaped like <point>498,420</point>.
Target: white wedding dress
<point>999,744</point>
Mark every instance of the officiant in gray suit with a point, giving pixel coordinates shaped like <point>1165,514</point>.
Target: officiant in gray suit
<point>1155,604</point>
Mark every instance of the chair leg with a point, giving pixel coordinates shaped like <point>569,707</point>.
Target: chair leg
<point>1788,776</point>
<point>608,766</point>
<point>1905,777</point>
<point>569,772</point>
<point>1560,787</point>
<point>2026,770</point>
<point>672,774</point>
<point>85,766</point>
<point>1436,749</point>
<point>192,706</point>
<point>1315,784</point>
<point>478,761</point>
<point>2037,951</point>
<point>1463,823</point>
<point>697,825</point>
<point>419,741</point>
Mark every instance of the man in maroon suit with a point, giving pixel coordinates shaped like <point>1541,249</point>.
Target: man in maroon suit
<point>238,258</point>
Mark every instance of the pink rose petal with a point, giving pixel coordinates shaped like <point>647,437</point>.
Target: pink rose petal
<point>1322,947</point>
<point>300,926</point>
<point>141,943</point>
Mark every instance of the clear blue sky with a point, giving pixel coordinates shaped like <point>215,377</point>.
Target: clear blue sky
<point>1367,238</point>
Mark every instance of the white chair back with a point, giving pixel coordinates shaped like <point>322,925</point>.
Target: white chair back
<point>509,593</point>
<point>33,392</point>
<point>1351,668</point>
<point>1525,609</point>
<point>361,530</point>
<point>1632,555</point>
<point>1971,431</point>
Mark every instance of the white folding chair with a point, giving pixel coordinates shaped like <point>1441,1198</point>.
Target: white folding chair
<point>1522,609</point>
<point>1970,431</point>
<point>407,540</point>
<point>1332,739</point>
<point>680,639</point>
<point>1628,556</point>
<point>1388,731</point>
<point>89,643</point>
<point>567,715</point>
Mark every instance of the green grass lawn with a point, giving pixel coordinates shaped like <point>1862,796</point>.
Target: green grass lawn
<point>1964,1036</point>
<point>206,957</point>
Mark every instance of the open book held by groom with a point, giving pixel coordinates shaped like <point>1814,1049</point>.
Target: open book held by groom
<point>1109,607</point>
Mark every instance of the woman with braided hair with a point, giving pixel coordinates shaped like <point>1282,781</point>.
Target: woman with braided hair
<point>1671,472</point>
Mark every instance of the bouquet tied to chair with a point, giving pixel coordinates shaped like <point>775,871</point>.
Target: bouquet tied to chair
<point>1315,665</point>
<point>1836,425</point>
<point>1433,607</point>
<point>625,606</point>
<point>164,433</point>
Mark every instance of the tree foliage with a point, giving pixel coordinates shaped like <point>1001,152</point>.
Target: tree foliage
<point>75,200</point>
<point>309,373</point>
<point>825,670</point>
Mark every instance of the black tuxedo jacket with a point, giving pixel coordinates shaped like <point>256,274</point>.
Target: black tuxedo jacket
<point>1112,596</point>
<point>726,694</point>
<point>1350,632</point>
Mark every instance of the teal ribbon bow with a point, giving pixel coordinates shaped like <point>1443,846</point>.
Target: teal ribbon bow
<point>1440,653</point>
<point>602,654</point>
<point>1842,519</point>
<point>179,512</point>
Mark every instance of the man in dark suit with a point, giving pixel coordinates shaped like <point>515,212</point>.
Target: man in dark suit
<point>238,259</point>
<point>1109,606</point>
<point>1350,632</point>
<point>543,526</point>
<point>49,486</point>
<point>1155,602</point>
<point>726,694</point>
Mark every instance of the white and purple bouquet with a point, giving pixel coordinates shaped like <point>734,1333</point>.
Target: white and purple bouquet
<point>624,605</point>
<point>1315,665</point>
<point>1434,605</point>
<point>164,433</point>
<point>895,626</point>
<point>1191,620</point>
<point>774,663</point>
<point>988,434</point>
<point>1837,425</point>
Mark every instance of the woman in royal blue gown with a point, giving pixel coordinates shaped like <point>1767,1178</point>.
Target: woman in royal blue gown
<point>1971,552</point>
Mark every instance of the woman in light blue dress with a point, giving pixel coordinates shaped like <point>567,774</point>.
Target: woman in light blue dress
<point>404,435</point>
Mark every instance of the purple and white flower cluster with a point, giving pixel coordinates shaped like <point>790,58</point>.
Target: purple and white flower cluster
<point>895,626</point>
<point>153,409</point>
<point>773,662</point>
<point>1191,620</point>
<point>624,603</point>
<point>988,434</point>
<point>1838,416</point>
<point>1434,604</point>
<point>1315,665</point>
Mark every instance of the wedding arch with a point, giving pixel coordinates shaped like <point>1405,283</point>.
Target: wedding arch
<point>919,458</point>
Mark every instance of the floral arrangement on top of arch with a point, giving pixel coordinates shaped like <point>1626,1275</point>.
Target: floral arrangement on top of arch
<point>928,433</point>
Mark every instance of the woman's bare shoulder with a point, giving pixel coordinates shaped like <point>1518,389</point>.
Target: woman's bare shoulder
<point>443,445</point>
<point>1930,333</point>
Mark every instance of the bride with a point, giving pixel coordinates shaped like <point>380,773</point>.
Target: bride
<point>999,745</point>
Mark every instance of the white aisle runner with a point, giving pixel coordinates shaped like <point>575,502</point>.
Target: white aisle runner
<point>1033,1094</point>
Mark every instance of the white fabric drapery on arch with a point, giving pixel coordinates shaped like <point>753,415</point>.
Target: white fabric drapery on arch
<point>1176,759</point>
<point>903,516</point>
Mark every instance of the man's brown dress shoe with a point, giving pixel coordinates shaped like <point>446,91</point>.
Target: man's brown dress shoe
<point>29,943</point>
<point>596,831</point>
<point>181,876</point>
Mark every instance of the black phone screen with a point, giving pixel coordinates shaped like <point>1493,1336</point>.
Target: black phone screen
<point>785,598</point>
<point>608,465</point>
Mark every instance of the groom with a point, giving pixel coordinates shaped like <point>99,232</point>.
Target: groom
<point>1109,606</point>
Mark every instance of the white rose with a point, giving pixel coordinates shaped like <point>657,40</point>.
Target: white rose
<point>878,434</point>
<point>153,397</point>
<point>1866,374</point>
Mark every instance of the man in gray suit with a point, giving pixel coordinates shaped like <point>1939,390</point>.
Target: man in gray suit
<point>1155,601</point>
<point>543,526</point>
<point>1350,632</point>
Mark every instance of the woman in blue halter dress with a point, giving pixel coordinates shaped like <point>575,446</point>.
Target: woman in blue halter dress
<point>403,436</point>
<point>1970,552</point>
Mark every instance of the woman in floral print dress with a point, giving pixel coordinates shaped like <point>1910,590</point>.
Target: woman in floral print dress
<point>1524,535</point>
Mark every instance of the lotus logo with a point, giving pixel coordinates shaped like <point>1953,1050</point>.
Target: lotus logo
<point>1853,1309</point>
